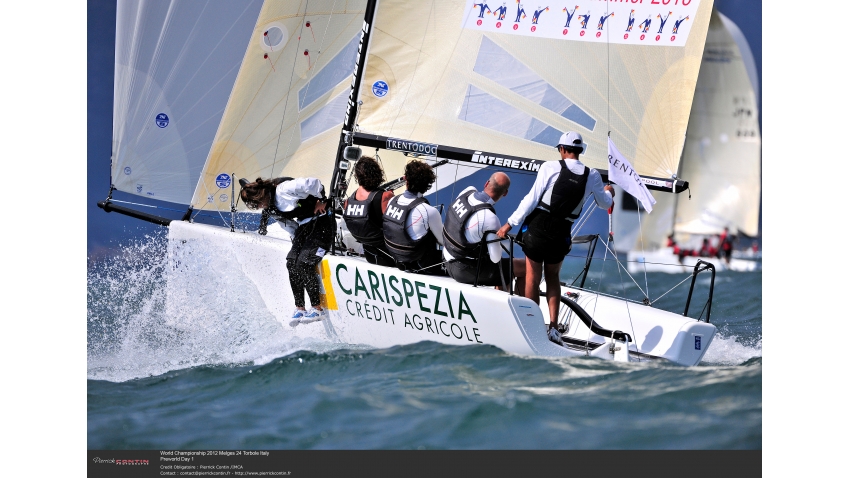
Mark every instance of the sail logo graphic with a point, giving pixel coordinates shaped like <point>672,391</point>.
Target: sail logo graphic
<point>161,120</point>
<point>139,188</point>
<point>601,25</point>
<point>222,180</point>
<point>678,23</point>
<point>223,198</point>
<point>380,89</point>
<point>697,342</point>
<point>616,14</point>
<point>483,7</point>
<point>536,15</point>
<point>127,170</point>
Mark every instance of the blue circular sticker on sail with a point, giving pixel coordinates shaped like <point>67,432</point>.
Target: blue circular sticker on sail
<point>162,120</point>
<point>380,89</point>
<point>222,180</point>
<point>127,170</point>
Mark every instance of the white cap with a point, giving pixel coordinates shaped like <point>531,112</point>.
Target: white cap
<point>571,138</point>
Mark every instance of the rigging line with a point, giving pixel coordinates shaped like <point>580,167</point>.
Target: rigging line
<point>586,213</point>
<point>608,59</point>
<point>628,310</point>
<point>671,289</point>
<point>310,80</point>
<point>643,247</point>
<point>289,92</point>
<point>621,265</point>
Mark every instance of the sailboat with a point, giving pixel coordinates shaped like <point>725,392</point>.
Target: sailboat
<point>721,159</point>
<point>441,81</point>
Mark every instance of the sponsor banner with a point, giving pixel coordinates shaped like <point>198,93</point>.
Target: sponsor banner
<point>491,159</point>
<point>425,149</point>
<point>383,306</point>
<point>630,22</point>
<point>659,183</point>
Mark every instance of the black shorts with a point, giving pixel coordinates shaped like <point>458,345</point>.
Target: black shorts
<point>464,272</point>
<point>545,239</point>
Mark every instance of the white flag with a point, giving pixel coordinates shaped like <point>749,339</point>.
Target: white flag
<point>622,173</point>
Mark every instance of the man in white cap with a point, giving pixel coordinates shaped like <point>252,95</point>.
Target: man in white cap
<point>547,213</point>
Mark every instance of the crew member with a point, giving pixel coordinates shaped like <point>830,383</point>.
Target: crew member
<point>468,218</point>
<point>301,208</point>
<point>412,227</point>
<point>364,209</point>
<point>547,213</point>
<point>726,244</point>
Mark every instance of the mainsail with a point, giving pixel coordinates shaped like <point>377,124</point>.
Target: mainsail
<point>443,73</point>
<point>175,64</point>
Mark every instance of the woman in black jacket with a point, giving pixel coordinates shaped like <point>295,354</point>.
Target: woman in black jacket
<point>300,205</point>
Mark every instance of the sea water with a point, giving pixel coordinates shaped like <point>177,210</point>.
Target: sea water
<point>162,376</point>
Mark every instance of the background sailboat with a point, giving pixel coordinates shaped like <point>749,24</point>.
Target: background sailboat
<point>721,159</point>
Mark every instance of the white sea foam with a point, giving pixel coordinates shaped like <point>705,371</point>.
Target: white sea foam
<point>148,316</point>
<point>731,350</point>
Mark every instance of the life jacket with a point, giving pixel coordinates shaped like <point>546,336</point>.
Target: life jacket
<point>567,194</point>
<point>455,226</point>
<point>399,244</point>
<point>363,218</point>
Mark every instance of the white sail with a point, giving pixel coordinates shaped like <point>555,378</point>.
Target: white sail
<point>286,110</point>
<point>722,157</point>
<point>175,63</point>
<point>435,76</point>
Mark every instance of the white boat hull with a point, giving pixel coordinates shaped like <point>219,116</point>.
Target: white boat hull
<point>664,260</point>
<point>384,307</point>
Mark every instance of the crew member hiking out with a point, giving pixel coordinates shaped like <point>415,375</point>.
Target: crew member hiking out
<point>469,217</point>
<point>364,209</point>
<point>412,227</point>
<point>547,213</point>
<point>299,205</point>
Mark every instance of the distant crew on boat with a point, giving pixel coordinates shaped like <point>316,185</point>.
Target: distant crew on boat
<point>412,227</point>
<point>300,206</point>
<point>363,211</point>
<point>547,213</point>
<point>470,216</point>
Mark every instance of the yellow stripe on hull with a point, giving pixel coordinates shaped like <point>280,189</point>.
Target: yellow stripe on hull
<point>328,297</point>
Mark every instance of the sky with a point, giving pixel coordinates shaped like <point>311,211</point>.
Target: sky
<point>105,231</point>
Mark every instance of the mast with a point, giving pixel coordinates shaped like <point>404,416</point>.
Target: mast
<point>338,184</point>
